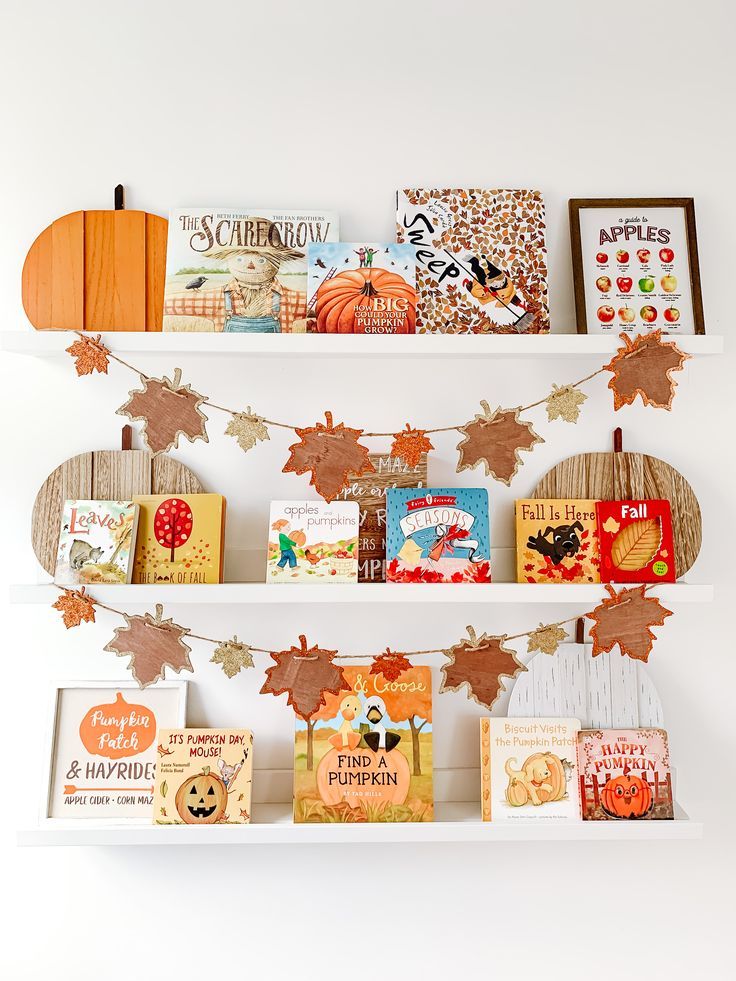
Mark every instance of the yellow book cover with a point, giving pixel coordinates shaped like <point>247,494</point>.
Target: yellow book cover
<point>180,539</point>
<point>557,541</point>
<point>203,776</point>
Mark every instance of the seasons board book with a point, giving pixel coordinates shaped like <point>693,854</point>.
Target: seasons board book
<point>441,534</point>
<point>625,775</point>
<point>557,541</point>
<point>481,259</point>
<point>366,755</point>
<point>359,288</point>
<point>180,539</point>
<point>529,769</point>
<point>312,541</point>
<point>241,270</point>
<point>203,776</point>
<point>636,542</point>
<point>96,543</point>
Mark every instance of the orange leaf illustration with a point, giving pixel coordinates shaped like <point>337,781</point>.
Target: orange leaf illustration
<point>168,410</point>
<point>306,674</point>
<point>495,439</point>
<point>332,453</point>
<point>152,644</point>
<point>636,545</point>
<point>90,355</point>
<point>624,618</point>
<point>76,607</point>
<point>644,367</point>
<point>390,665</point>
<point>479,663</point>
<point>410,444</point>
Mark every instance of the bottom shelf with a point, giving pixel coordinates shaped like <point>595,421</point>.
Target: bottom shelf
<point>272,825</point>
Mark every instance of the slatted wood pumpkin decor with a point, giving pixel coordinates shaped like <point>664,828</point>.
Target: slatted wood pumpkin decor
<point>105,475</point>
<point>98,270</point>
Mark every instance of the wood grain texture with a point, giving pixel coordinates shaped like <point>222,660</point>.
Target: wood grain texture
<point>112,475</point>
<point>631,476</point>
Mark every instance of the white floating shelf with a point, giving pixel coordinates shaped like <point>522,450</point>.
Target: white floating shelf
<point>259,594</point>
<point>51,343</point>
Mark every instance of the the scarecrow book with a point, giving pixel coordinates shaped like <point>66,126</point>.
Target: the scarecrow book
<point>529,769</point>
<point>636,542</point>
<point>557,541</point>
<point>312,541</point>
<point>203,776</point>
<point>481,259</point>
<point>96,542</point>
<point>438,534</point>
<point>366,755</point>
<point>241,270</point>
<point>625,775</point>
<point>180,539</point>
<point>362,288</point>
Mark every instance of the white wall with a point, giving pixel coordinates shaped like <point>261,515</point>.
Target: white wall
<point>336,105</point>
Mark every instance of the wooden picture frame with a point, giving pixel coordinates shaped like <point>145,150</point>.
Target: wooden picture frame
<point>665,264</point>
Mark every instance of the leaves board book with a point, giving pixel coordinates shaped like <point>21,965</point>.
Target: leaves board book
<point>180,539</point>
<point>203,776</point>
<point>636,541</point>
<point>312,541</point>
<point>481,259</point>
<point>529,769</point>
<point>241,270</point>
<point>557,541</point>
<point>359,288</point>
<point>441,534</point>
<point>96,542</point>
<point>625,775</point>
<point>366,754</point>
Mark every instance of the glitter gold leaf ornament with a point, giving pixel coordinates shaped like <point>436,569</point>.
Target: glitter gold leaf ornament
<point>625,618</point>
<point>76,607</point>
<point>89,354</point>
<point>152,644</point>
<point>233,656</point>
<point>644,366</point>
<point>495,439</point>
<point>546,639</point>
<point>248,429</point>
<point>168,410</point>
<point>410,444</point>
<point>332,454</point>
<point>306,673</point>
<point>478,664</point>
<point>564,402</point>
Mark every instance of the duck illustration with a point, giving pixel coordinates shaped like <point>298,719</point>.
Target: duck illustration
<point>346,737</point>
<point>378,737</point>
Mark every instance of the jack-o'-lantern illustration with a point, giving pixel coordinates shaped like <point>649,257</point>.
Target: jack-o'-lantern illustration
<point>202,799</point>
<point>341,299</point>
<point>627,796</point>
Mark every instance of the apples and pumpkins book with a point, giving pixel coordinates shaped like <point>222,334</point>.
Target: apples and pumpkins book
<point>96,542</point>
<point>636,541</point>
<point>557,541</point>
<point>312,541</point>
<point>203,776</point>
<point>180,539</point>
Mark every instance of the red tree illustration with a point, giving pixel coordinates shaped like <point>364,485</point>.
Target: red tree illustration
<point>172,524</point>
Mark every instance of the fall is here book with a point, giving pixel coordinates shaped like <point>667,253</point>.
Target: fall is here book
<point>636,541</point>
<point>180,539</point>
<point>366,755</point>
<point>203,776</point>
<point>528,769</point>
<point>312,541</point>
<point>557,541</point>
<point>96,542</point>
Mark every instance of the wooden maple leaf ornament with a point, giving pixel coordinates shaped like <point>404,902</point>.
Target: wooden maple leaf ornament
<point>168,410</point>
<point>644,367</point>
<point>479,663</point>
<point>90,355</point>
<point>76,607</point>
<point>390,665</point>
<point>410,444</point>
<point>624,619</point>
<point>152,644</point>
<point>495,439</point>
<point>332,453</point>
<point>306,674</point>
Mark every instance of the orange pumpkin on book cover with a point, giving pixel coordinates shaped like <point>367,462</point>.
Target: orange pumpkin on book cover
<point>202,799</point>
<point>627,796</point>
<point>101,728</point>
<point>339,296</point>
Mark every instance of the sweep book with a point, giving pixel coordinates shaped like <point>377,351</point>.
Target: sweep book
<point>96,542</point>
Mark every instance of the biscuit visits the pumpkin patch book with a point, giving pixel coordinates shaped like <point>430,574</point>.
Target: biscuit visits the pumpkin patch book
<point>557,541</point>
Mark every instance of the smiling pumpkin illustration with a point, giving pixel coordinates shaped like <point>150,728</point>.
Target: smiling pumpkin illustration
<point>202,799</point>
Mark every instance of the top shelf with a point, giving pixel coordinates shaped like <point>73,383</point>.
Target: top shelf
<point>51,343</point>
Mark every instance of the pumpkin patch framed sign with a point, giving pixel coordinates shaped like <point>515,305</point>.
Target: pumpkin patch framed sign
<point>103,748</point>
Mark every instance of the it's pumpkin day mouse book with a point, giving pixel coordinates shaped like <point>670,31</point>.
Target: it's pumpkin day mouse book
<point>180,539</point>
<point>96,542</point>
<point>557,541</point>
<point>366,754</point>
<point>203,776</point>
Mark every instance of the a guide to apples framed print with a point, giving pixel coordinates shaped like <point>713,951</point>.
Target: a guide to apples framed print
<point>635,263</point>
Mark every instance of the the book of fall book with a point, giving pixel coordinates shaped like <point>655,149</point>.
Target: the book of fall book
<point>366,755</point>
<point>312,541</point>
<point>180,539</point>
<point>557,541</point>
<point>203,776</point>
<point>636,541</point>
<point>481,259</point>
<point>96,542</point>
<point>625,775</point>
<point>528,769</point>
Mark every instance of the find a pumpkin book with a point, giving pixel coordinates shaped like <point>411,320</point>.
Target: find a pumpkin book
<point>636,541</point>
<point>557,541</point>
<point>180,539</point>
<point>203,776</point>
<point>366,754</point>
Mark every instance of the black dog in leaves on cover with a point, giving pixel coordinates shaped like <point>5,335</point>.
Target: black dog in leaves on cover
<point>563,545</point>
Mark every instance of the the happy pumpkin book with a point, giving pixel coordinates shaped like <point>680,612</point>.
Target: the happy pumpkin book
<point>636,541</point>
<point>180,539</point>
<point>96,542</point>
<point>557,541</point>
<point>366,755</point>
<point>203,776</point>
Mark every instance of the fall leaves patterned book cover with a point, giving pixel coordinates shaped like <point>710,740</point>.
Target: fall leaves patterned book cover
<point>96,542</point>
<point>312,541</point>
<point>180,539</point>
<point>557,541</point>
<point>636,541</point>
<point>366,754</point>
<point>203,776</point>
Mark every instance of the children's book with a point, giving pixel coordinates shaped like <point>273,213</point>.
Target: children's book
<point>359,288</point>
<point>241,270</point>
<point>203,776</point>
<point>557,541</point>
<point>441,534</point>
<point>528,769</point>
<point>636,541</point>
<point>625,775</point>
<point>366,755</point>
<point>180,539</point>
<point>96,542</point>
<point>312,541</point>
<point>481,259</point>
